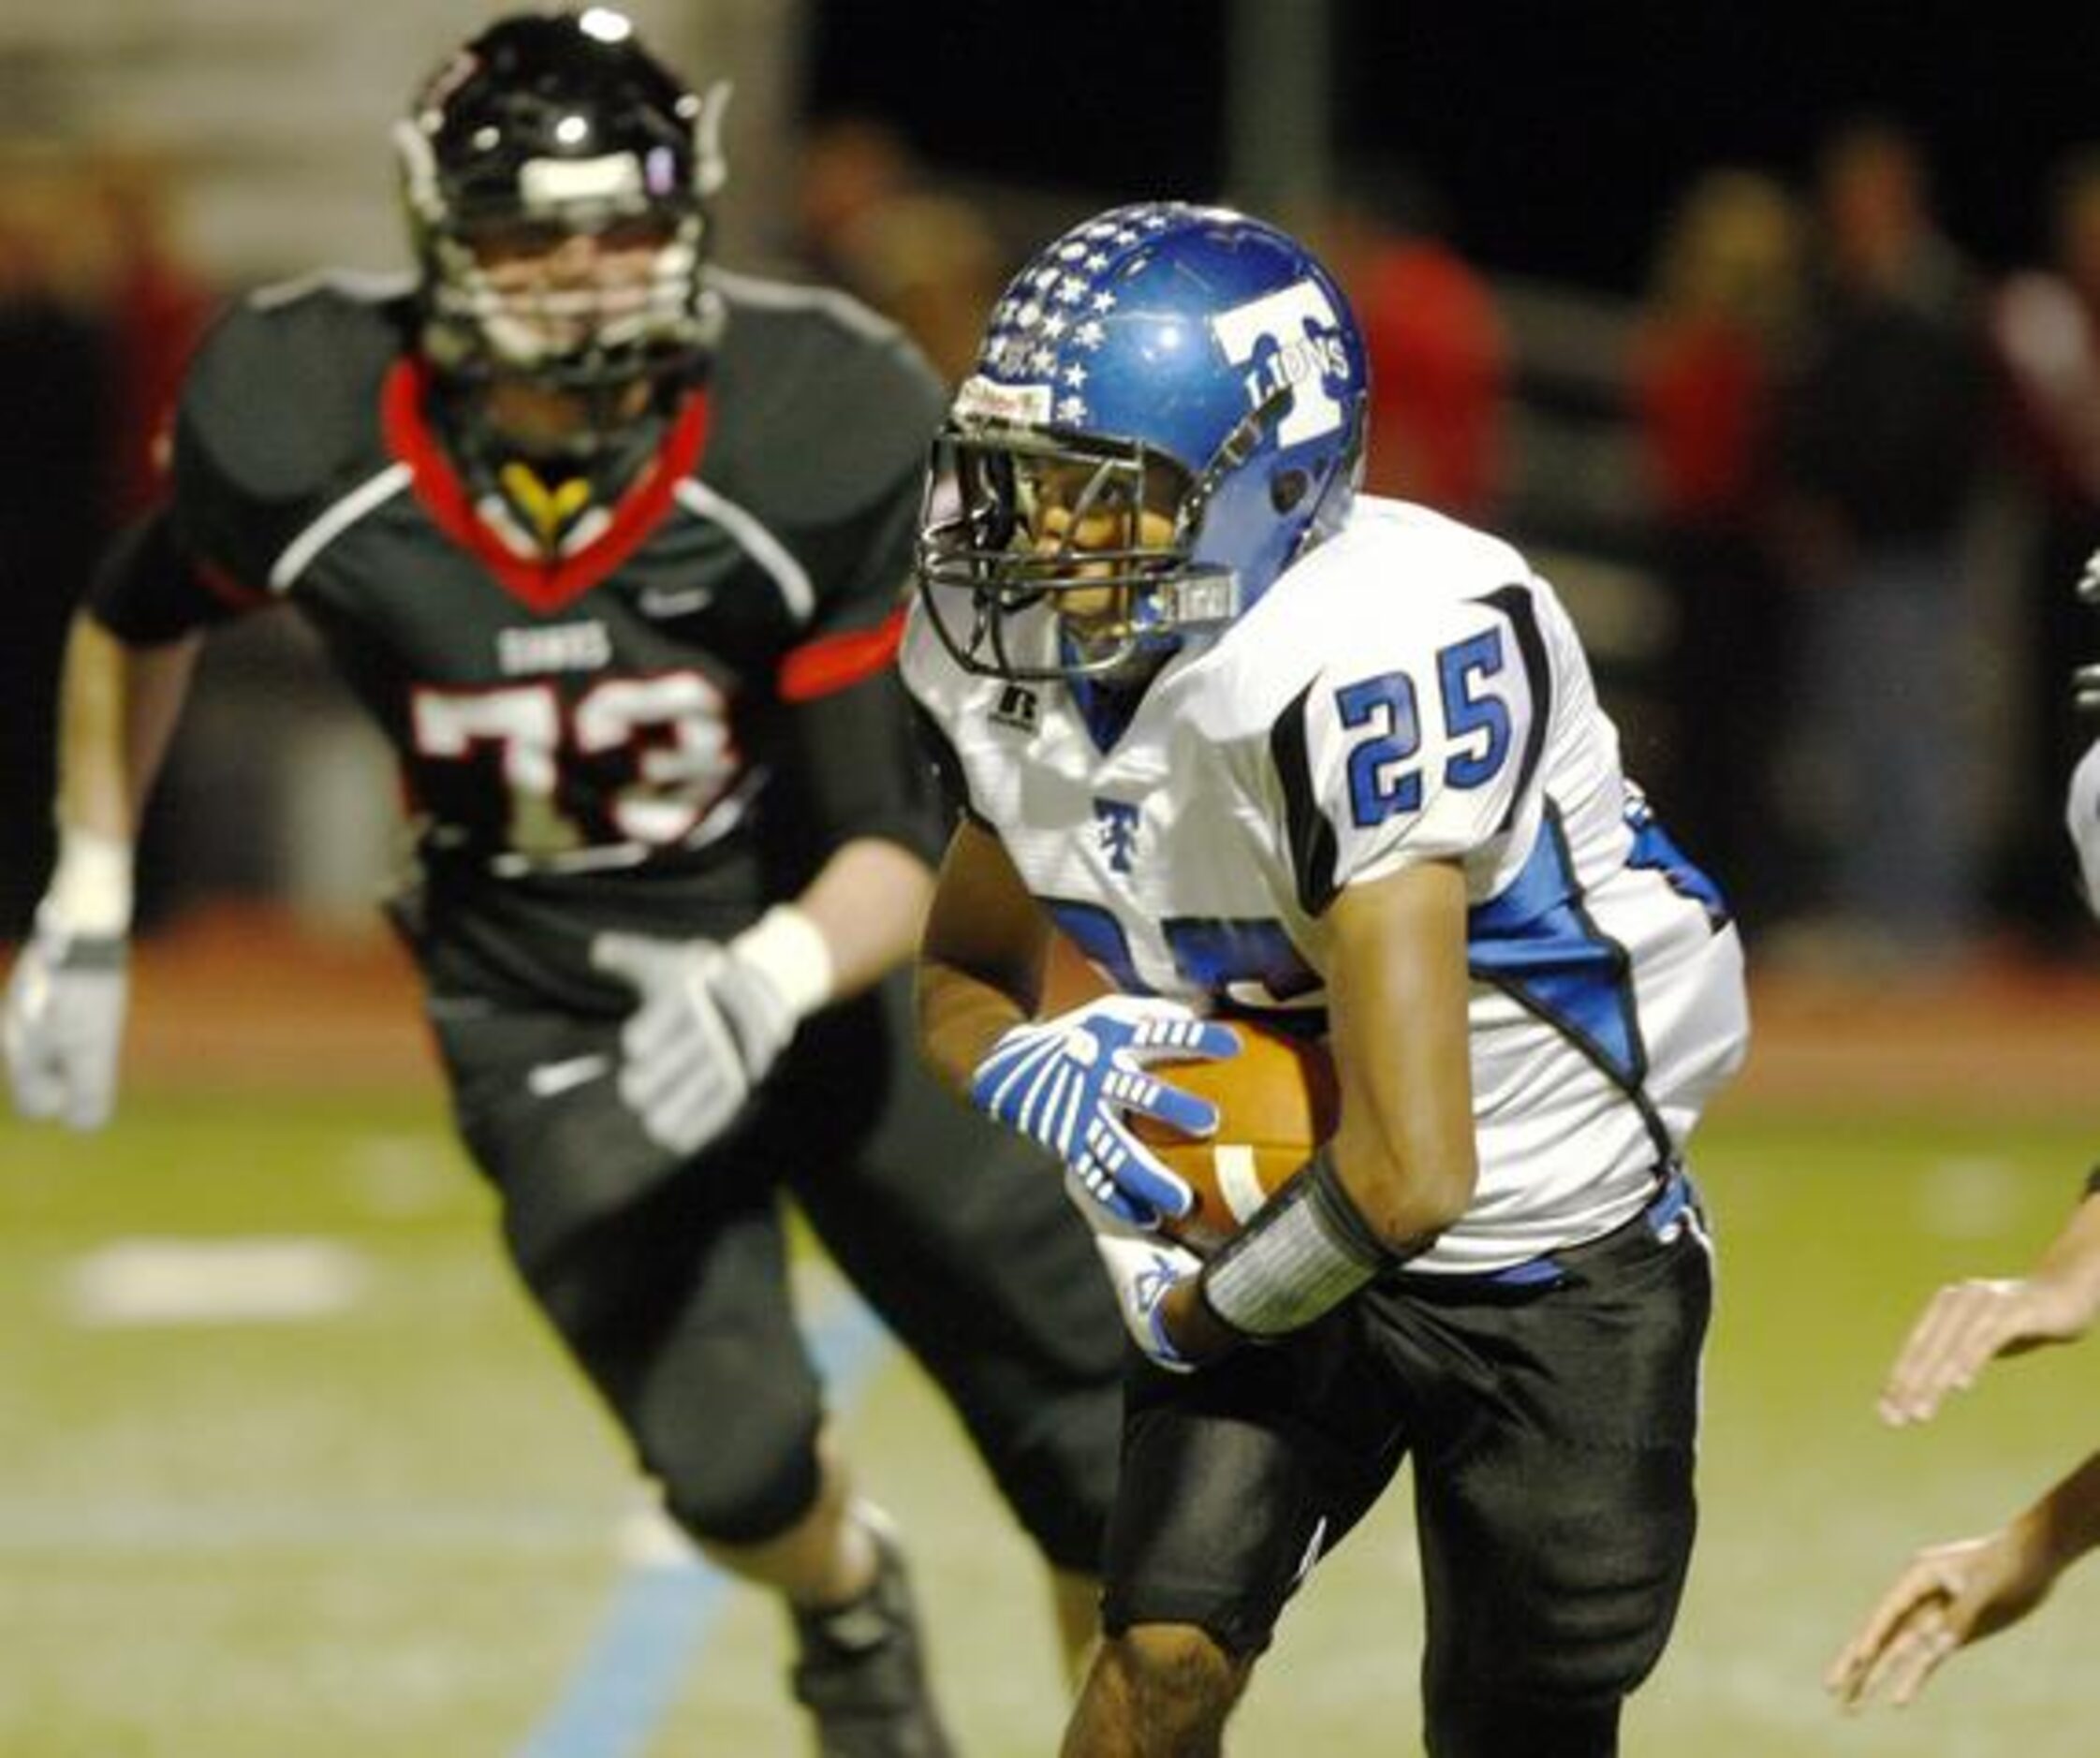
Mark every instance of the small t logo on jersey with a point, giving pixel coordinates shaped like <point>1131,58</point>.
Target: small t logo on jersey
<point>1117,824</point>
<point>1016,708</point>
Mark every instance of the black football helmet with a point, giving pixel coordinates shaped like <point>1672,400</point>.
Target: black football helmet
<point>543,127</point>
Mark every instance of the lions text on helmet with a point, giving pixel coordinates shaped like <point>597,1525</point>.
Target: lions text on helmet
<point>1167,410</point>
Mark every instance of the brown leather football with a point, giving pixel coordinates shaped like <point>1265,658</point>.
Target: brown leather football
<point>1277,1100</point>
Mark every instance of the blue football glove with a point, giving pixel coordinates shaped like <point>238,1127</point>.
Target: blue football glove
<point>1065,1082</point>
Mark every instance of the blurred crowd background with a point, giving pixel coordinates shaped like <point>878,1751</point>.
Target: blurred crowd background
<point>1797,405</point>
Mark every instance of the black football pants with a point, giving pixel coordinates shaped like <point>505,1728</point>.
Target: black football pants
<point>668,1280</point>
<point>1552,1432</point>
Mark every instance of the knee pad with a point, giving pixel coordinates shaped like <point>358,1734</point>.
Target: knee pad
<point>733,1472</point>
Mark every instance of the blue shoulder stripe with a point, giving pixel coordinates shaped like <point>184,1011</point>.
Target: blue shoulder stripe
<point>1534,941</point>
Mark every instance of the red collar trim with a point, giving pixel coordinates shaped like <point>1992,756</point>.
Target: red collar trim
<point>538,585</point>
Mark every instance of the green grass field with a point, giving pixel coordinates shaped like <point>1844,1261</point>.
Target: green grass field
<point>384,1517</point>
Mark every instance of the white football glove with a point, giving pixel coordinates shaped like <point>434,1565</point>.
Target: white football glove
<point>63,1026</point>
<point>1141,1268</point>
<point>1066,1082</point>
<point>713,1019</point>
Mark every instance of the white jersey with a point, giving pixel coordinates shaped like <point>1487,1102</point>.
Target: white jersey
<point>2082,815</point>
<point>1409,691</point>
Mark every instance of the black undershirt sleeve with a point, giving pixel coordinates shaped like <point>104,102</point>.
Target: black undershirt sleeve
<point>146,591</point>
<point>861,773</point>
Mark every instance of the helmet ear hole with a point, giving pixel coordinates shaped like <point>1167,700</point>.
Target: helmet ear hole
<point>1286,487</point>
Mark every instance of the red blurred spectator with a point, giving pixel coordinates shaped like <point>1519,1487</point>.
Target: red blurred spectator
<point>155,307</point>
<point>1439,354</point>
<point>1723,297</point>
<point>1725,290</point>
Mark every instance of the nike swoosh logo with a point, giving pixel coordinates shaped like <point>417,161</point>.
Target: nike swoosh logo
<point>678,601</point>
<point>550,1078</point>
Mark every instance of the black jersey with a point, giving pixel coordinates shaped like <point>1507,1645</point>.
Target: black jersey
<point>662,724</point>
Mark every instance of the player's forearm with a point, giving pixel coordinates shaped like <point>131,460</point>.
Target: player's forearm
<point>961,1017</point>
<point>2072,1262</point>
<point>981,961</point>
<point>117,709</point>
<point>868,904</point>
<point>2065,1523</point>
<point>1404,1146</point>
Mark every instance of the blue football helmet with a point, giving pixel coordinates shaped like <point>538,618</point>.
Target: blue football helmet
<point>1186,360</point>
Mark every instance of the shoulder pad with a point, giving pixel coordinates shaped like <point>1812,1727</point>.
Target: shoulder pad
<point>282,397</point>
<point>822,407</point>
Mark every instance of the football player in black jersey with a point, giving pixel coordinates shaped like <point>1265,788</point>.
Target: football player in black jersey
<point>610,542</point>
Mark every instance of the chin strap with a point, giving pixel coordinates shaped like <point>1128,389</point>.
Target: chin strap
<point>550,499</point>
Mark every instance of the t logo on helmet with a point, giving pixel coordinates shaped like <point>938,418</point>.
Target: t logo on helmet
<point>1302,323</point>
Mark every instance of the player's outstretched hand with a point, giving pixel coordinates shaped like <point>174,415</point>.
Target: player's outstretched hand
<point>1969,1323</point>
<point>708,1027</point>
<point>1067,1082</point>
<point>63,1026</point>
<point>1949,1596</point>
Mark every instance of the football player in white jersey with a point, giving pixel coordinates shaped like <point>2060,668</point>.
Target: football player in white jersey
<point>1263,748</point>
<point>1952,1594</point>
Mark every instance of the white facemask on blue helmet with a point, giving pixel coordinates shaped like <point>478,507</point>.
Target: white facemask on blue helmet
<point>1189,360</point>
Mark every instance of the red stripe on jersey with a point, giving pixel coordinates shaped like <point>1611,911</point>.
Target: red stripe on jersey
<point>822,666</point>
<point>234,594</point>
<point>539,585</point>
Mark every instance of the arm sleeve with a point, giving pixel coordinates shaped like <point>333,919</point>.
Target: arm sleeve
<point>859,772</point>
<point>951,782</point>
<point>239,472</point>
<point>147,589</point>
<point>860,769</point>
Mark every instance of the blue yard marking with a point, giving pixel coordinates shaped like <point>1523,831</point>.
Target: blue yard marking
<point>663,1612</point>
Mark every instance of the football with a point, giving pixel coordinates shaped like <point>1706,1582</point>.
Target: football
<point>1277,1100</point>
